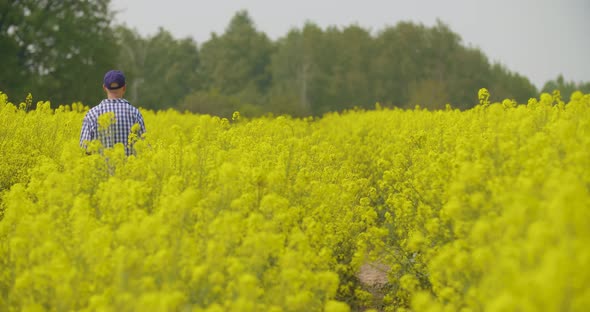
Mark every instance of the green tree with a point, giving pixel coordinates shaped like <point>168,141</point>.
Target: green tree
<point>566,88</point>
<point>428,93</point>
<point>161,69</point>
<point>350,82</point>
<point>414,65</point>
<point>470,71</point>
<point>317,71</point>
<point>237,62</point>
<point>58,50</point>
<point>131,60</point>
<point>509,85</point>
<point>294,69</point>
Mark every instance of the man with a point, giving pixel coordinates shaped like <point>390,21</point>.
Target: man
<point>112,120</point>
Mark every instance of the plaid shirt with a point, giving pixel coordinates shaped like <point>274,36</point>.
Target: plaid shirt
<point>125,116</point>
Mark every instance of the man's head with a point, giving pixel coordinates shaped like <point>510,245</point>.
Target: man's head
<point>114,84</point>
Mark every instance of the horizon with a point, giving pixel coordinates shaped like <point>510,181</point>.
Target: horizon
<point>532,47</point>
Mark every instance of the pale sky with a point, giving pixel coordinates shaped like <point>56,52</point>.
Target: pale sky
<point>539,39</point>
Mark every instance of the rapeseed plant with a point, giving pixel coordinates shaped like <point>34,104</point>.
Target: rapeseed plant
<point>484,209</point>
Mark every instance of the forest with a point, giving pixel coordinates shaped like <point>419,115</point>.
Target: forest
<point>59,50</point>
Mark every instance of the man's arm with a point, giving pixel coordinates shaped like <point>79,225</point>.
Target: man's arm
<point>139,120</point>
<point>87,132</point>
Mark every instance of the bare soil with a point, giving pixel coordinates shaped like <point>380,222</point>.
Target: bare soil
<point>373,274</point>
<point>373,278</point>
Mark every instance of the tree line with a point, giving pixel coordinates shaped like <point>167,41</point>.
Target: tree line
<point>59,50</point>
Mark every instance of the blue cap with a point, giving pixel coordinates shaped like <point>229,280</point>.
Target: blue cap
<point>114,79</point>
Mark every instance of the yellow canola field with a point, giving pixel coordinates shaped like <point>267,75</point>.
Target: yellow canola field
<point>481,210</point>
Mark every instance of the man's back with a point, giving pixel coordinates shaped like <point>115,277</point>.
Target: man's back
<point>111,122</point>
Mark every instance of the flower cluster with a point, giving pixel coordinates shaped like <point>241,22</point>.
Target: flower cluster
<point>485,209</point>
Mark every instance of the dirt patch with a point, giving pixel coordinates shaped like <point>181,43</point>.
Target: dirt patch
<point>373,278</point>
<point>373,274</point>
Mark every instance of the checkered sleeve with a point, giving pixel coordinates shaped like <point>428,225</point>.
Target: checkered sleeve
<point>139,120</point>
<point>88,131</point>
